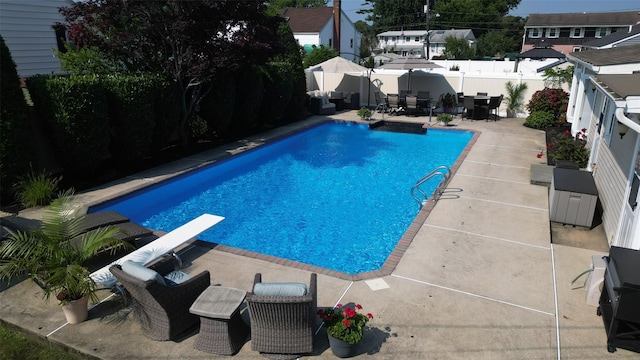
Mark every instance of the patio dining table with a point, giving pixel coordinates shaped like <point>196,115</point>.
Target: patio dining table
<point>480,102</point>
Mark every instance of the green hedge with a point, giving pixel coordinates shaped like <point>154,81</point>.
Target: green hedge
<point>75,109</point>
<point>16,150</point>
<point>130,102</point>
<point>278,90</point>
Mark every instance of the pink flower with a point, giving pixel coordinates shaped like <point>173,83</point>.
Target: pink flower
<point>370,316</point>
<point>346,323</point>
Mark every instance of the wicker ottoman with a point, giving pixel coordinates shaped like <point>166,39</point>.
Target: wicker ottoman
<point>222,330</point>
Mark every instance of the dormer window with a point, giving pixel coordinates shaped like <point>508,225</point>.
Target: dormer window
<point>602,32</point>
<point>535,32</point>
<point>577,32</point>
<point>553,32</point>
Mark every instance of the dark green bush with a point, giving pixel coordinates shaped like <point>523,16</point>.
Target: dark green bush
<point>75,110</point>
<point>540,120</point>
<point>249,90</point>
<point>130,102</point>
<point>217,107</point>
<point>166,110</point>
<point>278,90</point>
<point>16,152</point>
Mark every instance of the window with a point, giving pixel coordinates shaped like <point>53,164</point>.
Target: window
<point>577,32</point>
<point>406,39</point>
<point>553,32</point>
<point>535,32</point>
<point>602,31</point>
<point>351,43</point>
<point>330,42</point>
<point>416,39</point>
<point>61,37</point>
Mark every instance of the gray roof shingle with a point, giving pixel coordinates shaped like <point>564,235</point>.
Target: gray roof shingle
<point>584,19</point>
<point>612,56</point>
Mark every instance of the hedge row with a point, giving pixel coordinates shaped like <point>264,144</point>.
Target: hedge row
<point>126,117</point>
<point>91,118</point>
<point>16,150</point>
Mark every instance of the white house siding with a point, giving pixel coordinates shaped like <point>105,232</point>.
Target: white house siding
<point>612,185</point>
<point>349,39</point>
<point>26,26</point>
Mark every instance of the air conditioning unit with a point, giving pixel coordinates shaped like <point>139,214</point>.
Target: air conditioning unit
<point>595,280</point>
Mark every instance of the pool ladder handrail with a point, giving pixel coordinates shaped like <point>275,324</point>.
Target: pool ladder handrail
<point>439,189</point>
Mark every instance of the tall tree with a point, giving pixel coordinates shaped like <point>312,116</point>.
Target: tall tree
<point>455,48</point>
<point>192,41</point>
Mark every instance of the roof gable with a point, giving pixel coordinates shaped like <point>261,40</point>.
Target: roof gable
<point>584,19</point>
<point>307,20</point>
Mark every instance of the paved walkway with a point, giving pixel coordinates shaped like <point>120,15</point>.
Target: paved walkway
<point>480,280</point>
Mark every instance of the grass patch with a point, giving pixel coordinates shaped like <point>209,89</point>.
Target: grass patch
<point>17,346</point>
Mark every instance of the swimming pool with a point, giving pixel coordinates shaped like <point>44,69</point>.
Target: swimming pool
<point>335,196</point>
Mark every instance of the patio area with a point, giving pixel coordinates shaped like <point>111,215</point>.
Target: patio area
<point>486,276</point>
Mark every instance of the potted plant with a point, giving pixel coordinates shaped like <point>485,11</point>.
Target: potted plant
<point>54,256</point>
<point>514,98</point>
<point>445,119</point>
<point>364,113</point>
<point>345,326</point>
<point>448,102</point>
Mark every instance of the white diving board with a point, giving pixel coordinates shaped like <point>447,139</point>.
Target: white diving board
<point>159,247</point>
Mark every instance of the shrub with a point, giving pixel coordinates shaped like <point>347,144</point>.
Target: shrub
<point>36,189</point>
<point>553,101</point>
<point>277,92</point>
<point>15,141</point>
<point>563,146</point>
<point>130,101</point>
<point>75,110</point>
<point>540,120</point>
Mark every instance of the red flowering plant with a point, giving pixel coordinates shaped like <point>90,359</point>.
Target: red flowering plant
<point>344,322</point>
<point>566,147</point>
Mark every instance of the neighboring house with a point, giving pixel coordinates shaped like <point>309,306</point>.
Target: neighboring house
<point>328,26</point>
<point>605,100</point>
<point>27,29</point>
<point>414,42</point>
<point>568,32</point>
<point>631,36</point>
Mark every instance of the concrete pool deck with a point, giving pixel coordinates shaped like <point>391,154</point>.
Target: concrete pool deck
<point>487,276</point>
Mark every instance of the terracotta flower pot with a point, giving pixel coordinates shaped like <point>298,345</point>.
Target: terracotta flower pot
<point>76,311</point>
<point>341,348</point>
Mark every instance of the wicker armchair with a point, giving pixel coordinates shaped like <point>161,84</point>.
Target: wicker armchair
<point>163,310</point>
<point>282,326</point>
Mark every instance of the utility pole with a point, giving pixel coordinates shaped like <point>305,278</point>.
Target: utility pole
<point>426,12</point>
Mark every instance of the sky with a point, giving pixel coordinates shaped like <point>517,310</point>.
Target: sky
<point>527,7</point>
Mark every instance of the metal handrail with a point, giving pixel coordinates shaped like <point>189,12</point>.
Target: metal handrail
<point>431,174</point>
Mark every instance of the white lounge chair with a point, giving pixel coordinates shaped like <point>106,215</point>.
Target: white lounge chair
<point>161,246</point>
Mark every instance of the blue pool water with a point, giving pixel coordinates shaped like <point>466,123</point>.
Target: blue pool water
<point>335,196</point>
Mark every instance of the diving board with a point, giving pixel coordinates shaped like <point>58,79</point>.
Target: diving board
<point>159,247</point>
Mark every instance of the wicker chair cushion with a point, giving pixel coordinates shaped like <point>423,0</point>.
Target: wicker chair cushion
<point>280,289</point>
<point>176,277</point>
<point>141,272</point>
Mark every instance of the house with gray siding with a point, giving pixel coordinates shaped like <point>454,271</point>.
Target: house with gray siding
<point>605,100</point>
<point>27,29</point>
